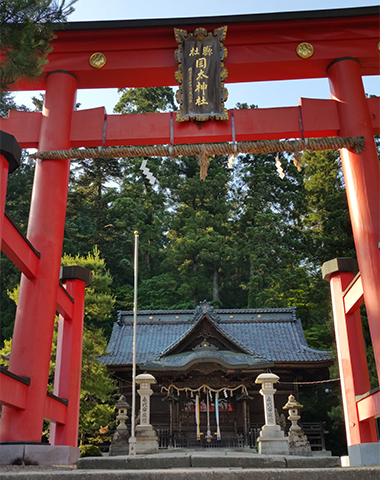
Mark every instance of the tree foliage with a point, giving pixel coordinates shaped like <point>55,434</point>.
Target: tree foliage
<point>145,100</point>
<point>27,28</point>
<point>7,102</point>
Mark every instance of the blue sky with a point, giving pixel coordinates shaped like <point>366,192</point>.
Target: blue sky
<point>126,9</point>
<point>264,94</point>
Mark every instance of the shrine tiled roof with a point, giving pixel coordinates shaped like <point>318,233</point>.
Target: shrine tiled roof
<point>262,336</point>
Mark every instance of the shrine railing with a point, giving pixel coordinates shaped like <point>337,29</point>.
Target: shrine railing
<point>315,432</point>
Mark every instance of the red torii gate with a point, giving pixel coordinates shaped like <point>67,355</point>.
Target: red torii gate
<point>141,54</point>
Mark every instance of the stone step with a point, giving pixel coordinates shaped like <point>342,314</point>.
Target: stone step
<point>37,473</point>
<point>208,459</point>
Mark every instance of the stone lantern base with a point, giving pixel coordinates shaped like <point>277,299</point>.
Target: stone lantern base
<point>146,440</point>
<point>272,441</point>
<point>299,444</point>
<point>120,443</point>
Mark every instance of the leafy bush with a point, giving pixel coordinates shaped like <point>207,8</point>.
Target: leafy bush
<point>90,451</point>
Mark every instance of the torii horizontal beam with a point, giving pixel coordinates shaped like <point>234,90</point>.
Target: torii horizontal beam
<point>92,128</point>
<point>140,53</point>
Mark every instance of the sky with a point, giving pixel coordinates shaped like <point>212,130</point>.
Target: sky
<point>263,94</point>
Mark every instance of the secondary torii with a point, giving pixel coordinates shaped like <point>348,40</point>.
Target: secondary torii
<point>342,45</point>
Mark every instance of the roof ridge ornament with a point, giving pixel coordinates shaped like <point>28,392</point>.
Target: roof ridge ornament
<point>205,308</point>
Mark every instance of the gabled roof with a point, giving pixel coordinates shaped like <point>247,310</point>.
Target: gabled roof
<point>263,335</point>
<point>205,311</point>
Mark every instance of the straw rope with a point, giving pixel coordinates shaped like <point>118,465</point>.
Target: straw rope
<point>207,149</point>
<point>204,387</point>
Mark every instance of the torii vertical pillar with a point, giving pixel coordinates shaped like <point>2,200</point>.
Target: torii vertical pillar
<point>362,178</point>
<point>10,154</point>
<point>352,360</point>
<point>34,324</point>
<point>68,369</point>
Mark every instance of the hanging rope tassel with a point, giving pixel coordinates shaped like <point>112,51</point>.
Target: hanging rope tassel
<point>280,170</point>
<point>197,417</point>
<point>297,161</point>
<point>218,436</point>
<point>204,162</point>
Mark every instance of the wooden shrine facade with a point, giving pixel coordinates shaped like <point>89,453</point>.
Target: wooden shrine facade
<point>216,355</point>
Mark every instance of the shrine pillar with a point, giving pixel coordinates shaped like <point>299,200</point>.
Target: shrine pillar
<point>34,323</point>
<point>362,179</point>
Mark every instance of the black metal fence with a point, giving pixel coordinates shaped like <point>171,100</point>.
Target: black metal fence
<point>190,441</point>
<point>314,431</point>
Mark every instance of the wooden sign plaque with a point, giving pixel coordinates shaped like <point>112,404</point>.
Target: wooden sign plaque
<point>201,74</point>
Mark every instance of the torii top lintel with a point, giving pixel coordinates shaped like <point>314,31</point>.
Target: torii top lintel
<point>262,47</point>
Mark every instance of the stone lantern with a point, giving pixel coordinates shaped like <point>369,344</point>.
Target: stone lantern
<point>272,440</point>
<point>298,442</point>
<point>146,440</point>
<point>120,439</point>
<point>122,409</point>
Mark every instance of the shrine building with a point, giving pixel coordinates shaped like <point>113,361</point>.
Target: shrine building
<point>206,362</point>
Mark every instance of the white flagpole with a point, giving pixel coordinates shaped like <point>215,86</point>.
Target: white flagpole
<point>133,419</point>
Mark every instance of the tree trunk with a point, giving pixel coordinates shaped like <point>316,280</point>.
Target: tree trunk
<point>215,284</point>
<point>195,291</point>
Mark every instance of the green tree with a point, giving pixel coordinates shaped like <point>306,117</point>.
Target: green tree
<point>99,300</point>
<point>108,201</point>
<point>199,242</point>
<point>326,220</point>
<point>27,28</point>
<point>142,207</point>
<point>145,100</point>
<point>7,102</point>
<point>268,240</point>
<point>90,194</point>
<point>327,234</point>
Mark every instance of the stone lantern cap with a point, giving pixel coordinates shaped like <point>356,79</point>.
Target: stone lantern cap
<point>122,403</point>
<point>267,377</point>
<point>292,403</point>
<point>145,378</point>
